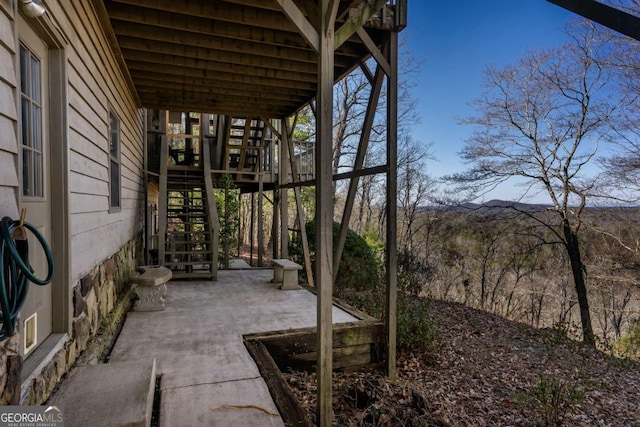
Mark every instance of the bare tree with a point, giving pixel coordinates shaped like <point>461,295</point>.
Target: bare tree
<point>541,121</point>
<point>414,189</point>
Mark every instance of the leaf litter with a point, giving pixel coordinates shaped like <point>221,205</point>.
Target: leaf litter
<point>489,372</point>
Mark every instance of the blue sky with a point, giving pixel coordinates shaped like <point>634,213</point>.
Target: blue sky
<point>457,40</point>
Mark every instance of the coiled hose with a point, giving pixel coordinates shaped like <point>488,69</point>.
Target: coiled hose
<point>17,273</point>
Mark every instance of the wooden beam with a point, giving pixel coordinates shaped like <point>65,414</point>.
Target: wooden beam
<point>367,72</point>
<point>275,231</point>
<point>276,35</point>
<point>163,198</point>
<point>373,49</point>
<point>283,397</point>
<point>363,145</point>
<point>165,60</point>
<point>324,214</point>
<point>243,149</point>
<point>283,174</point>
<point>223,57</point>
<point>260,214</point>
<point>391,294</point>
<point>212,209</point>
<point>375,170</point>
<point>173,89</point>
<point>220,77</point>
<point>251,15</point>
<point>357,20</point>
<point>150,32</point>
<point>270,125</point>
<point>288,132</point>
<point>332,12</point>
<point>603,14</point>
<point>307,30</point>
<point>152,83</point>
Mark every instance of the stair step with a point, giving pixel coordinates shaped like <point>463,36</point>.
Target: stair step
<point>189,252</point>
<point>177,208</point>
<point>180,264</point>
<point>202,275</point>
<point>110,394</point>
<point>177,213</point>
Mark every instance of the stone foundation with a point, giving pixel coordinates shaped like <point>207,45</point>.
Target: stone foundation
<point>94,296</point>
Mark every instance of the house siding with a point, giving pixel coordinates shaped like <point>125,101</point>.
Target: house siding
<point>10,361</point>
<point>103,244</point>
<point>8,112</point>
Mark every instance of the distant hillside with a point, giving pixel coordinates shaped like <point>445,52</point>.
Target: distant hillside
<point>492,206</point>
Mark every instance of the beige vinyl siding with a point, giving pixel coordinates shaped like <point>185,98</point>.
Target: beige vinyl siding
<point>96,86</point>
<point>8,113</point>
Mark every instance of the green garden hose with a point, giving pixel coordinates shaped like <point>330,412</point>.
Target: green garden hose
<point>17,273</point>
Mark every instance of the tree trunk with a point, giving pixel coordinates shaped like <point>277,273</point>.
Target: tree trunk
<point>572,245</point>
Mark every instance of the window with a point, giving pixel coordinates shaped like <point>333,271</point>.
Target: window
<point>31,123</point>
<point>114,161</point>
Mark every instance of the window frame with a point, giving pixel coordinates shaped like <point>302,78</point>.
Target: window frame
<point>114,162</point>
<point>32,129</point>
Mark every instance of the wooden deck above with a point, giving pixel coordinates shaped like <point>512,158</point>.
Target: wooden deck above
<point>237,57</point>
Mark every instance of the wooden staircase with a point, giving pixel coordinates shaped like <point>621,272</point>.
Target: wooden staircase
<point>188,243</point>
<point>245,140</point>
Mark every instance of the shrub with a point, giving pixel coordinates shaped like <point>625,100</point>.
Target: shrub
<point>419,329</point>
<point>359,269</point>
<point>552,398</point>
<point>629,345</point>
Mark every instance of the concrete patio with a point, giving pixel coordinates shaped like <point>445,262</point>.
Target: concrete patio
<point>208,377</point>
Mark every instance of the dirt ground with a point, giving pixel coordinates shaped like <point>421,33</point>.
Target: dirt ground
<point>489,372</point>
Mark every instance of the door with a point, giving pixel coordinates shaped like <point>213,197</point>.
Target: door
<point>35,189</point>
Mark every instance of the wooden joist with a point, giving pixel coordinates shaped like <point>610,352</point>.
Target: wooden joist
<point>355,344</point>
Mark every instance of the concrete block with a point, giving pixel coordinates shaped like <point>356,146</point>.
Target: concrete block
<point>111,394</point>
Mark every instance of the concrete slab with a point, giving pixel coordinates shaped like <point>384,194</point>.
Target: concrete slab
<point>238,263</point>
<point>112,394</point>
<point>193,359</point>
<point>239,403</point>
<point>197,344</point>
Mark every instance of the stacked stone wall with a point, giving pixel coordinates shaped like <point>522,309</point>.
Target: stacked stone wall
<point>94,297</point>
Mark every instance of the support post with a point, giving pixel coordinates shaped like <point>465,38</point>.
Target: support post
<point>163,198</point>
<point>260,219</point>
<point>287,137</point>
<point>283,178</point>
<point>324,210</point>
<point>253,219</point>
<point>226,222</point>
<point>390,318</point>
<point>274,226</point>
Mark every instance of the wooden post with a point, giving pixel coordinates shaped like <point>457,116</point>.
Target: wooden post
<point>390,319</point>
<point>324,209</point>
<point>287,139</point>
<point>253,219</point>
<point>226,223</point>
<point>212,209</point>
<point>163,199</point>
<point>283,178</point>
<point>274,226</point>
<point>260,218</point>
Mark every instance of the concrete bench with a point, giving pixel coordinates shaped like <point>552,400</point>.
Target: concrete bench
<point>286,273</point>
<point>152,287</point>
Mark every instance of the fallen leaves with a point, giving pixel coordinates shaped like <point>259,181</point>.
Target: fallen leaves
<point>488,373</point>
